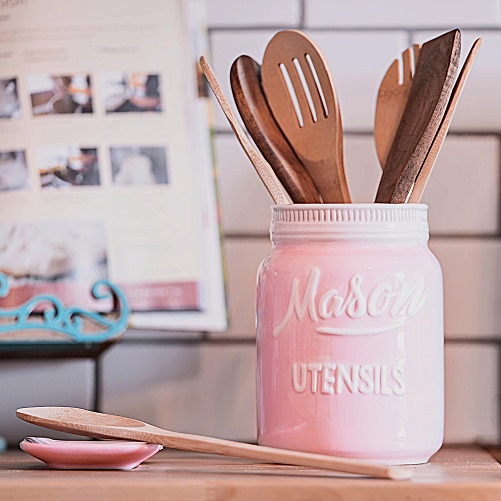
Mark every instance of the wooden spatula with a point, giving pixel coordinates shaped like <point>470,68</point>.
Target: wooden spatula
<point>429,94</point>
<point>300,93</point>
<point>425,172</point>
<point>263,168</point>
<point>95,424</point>
<point>245,78</point>
<point>391,100</point>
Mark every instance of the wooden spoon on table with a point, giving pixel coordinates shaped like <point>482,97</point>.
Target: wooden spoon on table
<point>391,100</point>
<point>263,168</point>
<point>429,94</point>
<point>300,93</point>
<point>256,115</point>
<point>425,172</point>
<point>95,424</point>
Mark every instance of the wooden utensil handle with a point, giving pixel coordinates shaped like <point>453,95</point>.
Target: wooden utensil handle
<point>211,445</point>
<point>263,168</point>
<point>98,425</point>
<point>428,97</point>
<point>425,172</point>
<point>330,182</point>
<point>257,118</point>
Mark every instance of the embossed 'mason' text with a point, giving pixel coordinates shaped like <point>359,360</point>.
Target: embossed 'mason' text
<point>398,302</point>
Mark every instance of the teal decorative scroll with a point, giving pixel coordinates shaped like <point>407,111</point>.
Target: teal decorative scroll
<point>70,321</point>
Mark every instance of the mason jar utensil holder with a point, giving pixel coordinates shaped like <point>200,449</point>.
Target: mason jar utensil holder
<point>350,336</point>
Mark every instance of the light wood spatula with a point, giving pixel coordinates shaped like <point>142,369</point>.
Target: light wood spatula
<point>245,79</point>
<point>429,94</point>
<point>300,93</point>
<point>391,100</point>
<point>95,424</point>
<point>263,168</point>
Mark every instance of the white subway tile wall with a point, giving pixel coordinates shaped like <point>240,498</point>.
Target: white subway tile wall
<point>205,383</point>
<point>463,192</point>
<point>480,105</point>
<point>244,211</point>
<point>243,257</point>
<point>472,288</point>
<point>360,39</point>
<point>388,13</point>
<point>471,393</point>
<point>358,61</point>
<point>244,13</point>
<point>226,45</point>
<point>30,383</point>
<point>207,389</point>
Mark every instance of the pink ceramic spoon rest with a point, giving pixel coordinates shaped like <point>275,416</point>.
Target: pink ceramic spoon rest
<point>87,454</point>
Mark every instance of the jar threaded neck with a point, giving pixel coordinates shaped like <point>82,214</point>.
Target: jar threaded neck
<point>349,221</point>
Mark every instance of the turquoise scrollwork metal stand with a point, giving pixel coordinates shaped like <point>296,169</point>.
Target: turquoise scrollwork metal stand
<point>48,313</point>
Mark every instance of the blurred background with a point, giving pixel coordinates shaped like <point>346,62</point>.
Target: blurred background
<point>203,382</point>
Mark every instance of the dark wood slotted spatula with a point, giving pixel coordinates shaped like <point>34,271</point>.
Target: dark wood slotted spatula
<point>424,173</point>
<point>245,78</point>
<point>429,94</point>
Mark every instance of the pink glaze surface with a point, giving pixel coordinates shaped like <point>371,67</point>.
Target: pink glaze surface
<point>350,349</point>
<point>89,455</point>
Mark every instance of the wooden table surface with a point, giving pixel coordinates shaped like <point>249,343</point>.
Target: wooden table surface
<point>454,473</point>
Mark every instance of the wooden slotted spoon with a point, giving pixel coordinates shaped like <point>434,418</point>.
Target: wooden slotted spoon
<point>312,125</point>
<point>391,100</point>
<point>263,168</point>
<point>95,424</point>
<point>257,117</point>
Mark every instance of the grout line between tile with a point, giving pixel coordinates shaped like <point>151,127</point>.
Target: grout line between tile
<point>469,236</point>
<point>474,340</point>
<point>442,236</point>
<point>498,399</point>
<point>209,340</point>
<point>221,339</point>
<point>244,236</point>
<point>251,27</point>
<point>302,14</point>
<point>498,212</point>
<point>341,29</point>
<point>409,39</point>
<point>368,132</point>
<point>96,404</point>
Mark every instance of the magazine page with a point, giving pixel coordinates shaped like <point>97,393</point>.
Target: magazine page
<point>105,167</point>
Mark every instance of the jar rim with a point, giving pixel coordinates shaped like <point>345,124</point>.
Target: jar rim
<point>361,205</point>
<point>350,220</point>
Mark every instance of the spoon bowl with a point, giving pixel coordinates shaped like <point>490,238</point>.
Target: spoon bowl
<point>259,121</point>
<point>300,93</point>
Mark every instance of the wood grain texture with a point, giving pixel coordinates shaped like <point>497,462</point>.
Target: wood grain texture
<point>318,142</point>
<point>245,79</point>
<point>454,473</point>
<point>426,105</point>
<point>263,168</point>
<point>425,172</point>
<point>94,424</point>
<point>391,100</point>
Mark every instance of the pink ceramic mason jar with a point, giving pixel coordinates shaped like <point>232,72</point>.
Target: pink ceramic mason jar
<point>350,333</point>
